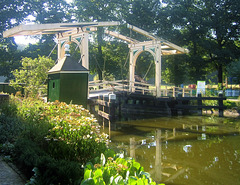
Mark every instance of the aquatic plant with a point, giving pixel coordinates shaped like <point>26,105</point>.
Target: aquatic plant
<point>116,170</point>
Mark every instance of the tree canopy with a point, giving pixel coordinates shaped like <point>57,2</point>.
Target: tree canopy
<point>208,28</point>
<point>14,13</point>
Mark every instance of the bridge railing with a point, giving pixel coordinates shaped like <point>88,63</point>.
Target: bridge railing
<point>121,85</point>
<point>174,91</point>
<point>145,88</point>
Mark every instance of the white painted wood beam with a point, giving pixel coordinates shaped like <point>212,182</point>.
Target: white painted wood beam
<point>145,43</point>
<point>174,46</point>
<point>120,36</point>
<point>143,32</point>
<point>37,29</point>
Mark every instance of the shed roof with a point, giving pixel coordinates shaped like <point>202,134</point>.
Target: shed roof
<point>68,65</point>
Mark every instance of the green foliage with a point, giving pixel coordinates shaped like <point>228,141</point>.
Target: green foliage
<point>33,74</point>
<point>230,104</point>
<point>46,169</point>
<point>75,134</point>
<point>54,138</point>
<point>209,29</point>
<point>233,70</point>
<point>115,170</point>
<point>145,66</point>
<point>9,128</point>
<point>175,70</point>
<point>14,13</point>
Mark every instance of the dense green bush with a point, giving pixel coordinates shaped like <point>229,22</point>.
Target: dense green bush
<point>75,132</point>
<point>9,128</point>
<point>55,139</point>
<point>33,74</point>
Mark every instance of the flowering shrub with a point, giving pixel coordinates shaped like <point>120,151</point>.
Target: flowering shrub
<point>75,133</point>
<point>67,132</point>
<point>56,140</point>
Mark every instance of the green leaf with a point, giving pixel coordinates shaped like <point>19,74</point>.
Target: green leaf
<point>146,174</point>
<point>89,166</point>
<point>100,182</point>
<point>106,176</point>
<point>136,165</point>
<point>140,182</point>
<point>88,181</point>
<point>87,174</point>
<point>109,153</point>
<point>132,180</point>
<point>98,173</point>
<point>145,181</point>
<point>118,179</point>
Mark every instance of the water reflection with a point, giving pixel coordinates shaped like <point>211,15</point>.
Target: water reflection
<point>186,150</point>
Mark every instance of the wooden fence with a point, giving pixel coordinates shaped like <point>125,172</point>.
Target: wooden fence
<point>184,104</point>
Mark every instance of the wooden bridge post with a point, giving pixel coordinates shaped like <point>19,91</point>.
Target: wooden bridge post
<point>199,101</point>
<point>183,92</point>
<point>220,104</point>
<point>101,108</point>
<point>180,110</point>
<point>166,91</point>
<point>112,108</point>
<point>174,95</point>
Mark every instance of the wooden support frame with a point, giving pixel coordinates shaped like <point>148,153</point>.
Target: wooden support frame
<point>71,32</point>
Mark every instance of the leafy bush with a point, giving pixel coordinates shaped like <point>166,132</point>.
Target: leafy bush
<point>9,128</point>
<point>33,74</point>
<point>229,104</point>
<point>116,170</point>
<point>55,139</point>
<point>75,132</point>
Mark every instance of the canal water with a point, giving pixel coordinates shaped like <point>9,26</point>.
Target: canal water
<point>183,150</point>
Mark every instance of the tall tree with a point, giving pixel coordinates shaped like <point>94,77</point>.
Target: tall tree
<point>223,23</point>
<point>209,28</point>
<point>12,12</point>
<point>143,14</point>
<point>44,12</point>
<point>98,10</point>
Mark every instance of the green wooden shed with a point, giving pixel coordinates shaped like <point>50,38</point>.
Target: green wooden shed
<point>68,82</point>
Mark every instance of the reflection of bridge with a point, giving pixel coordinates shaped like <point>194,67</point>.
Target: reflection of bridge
<point>170,170</point>
<point>165,148</point>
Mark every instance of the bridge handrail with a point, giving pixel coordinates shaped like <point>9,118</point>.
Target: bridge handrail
<point>121,85</point>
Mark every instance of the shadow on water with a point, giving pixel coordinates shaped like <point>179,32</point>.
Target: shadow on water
<point>183,150</point>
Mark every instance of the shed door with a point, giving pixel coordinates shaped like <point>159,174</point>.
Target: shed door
<point>53,90</point>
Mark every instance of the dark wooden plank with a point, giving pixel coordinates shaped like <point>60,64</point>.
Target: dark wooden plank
<point>201,98</point>
<point>104,103</point>
<point>103,114</point>
<point>202,107</point>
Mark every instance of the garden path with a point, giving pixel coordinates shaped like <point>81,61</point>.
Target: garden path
<point>9,174</point>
